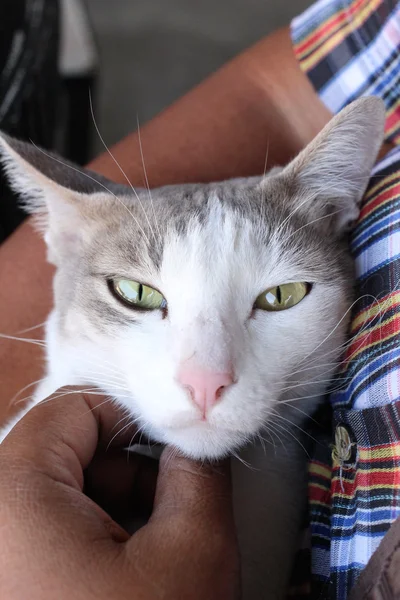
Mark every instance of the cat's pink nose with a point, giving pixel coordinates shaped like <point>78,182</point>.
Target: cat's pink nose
<point>205,387</point>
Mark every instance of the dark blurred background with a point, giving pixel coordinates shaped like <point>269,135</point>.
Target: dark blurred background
<point>152,51</point>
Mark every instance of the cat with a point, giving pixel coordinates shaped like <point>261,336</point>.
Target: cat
<point>214,313</point>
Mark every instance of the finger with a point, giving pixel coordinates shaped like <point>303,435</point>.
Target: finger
<point>190,536</point>
<point>59,438</point>
<point>201,491</point>
<point>45,455</point>
<point>61,434</point>
<point>193,503</point>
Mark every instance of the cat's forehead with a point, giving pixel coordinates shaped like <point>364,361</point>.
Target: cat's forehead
<point>178,207</point>
<point>230,225</point>
<point>138,228</point>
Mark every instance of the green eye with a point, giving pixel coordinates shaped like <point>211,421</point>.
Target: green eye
<point>138,295</point>
<point>282,297</point>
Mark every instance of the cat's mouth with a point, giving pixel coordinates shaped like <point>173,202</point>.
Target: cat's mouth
<point>200,440</point>
<point>203,440</point>
<point>202,425</point>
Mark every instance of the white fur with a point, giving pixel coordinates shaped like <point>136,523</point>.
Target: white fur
<point>211,324</point>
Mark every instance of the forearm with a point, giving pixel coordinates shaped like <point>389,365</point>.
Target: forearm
<point>259,103</point>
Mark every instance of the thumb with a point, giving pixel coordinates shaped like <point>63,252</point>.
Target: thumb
<point>191,535</point>
<point>198,491</point>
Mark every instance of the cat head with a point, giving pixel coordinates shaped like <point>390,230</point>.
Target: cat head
<point>204,310</point>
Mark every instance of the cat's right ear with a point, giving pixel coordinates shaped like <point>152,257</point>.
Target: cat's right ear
<point>61,196</point>
<point>327,180</point>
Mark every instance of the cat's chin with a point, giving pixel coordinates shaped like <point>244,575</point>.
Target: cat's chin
<point>203,442</point>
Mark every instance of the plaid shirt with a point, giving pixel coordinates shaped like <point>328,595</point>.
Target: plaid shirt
<point>349,49</point>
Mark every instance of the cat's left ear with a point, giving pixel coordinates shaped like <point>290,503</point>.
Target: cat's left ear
<point>327,180</point>
<point>64,199</point>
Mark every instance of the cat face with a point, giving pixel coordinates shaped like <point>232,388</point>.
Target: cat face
<point>210,271</point>
<point>204,310</point>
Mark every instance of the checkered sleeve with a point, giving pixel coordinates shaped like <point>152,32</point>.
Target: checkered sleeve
<point>350,49</point>
<point>354,475</point>
<point>365,483</point>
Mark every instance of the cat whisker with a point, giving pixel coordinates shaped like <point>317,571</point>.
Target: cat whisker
<point>107,377</point>
<point>108,387</point>
<point>106,367</point>
<point>127,416</point>
<point>336,349</point>
<point>262,442</point>
<point>60,395</point>
<point>24,400</point>
<point>303,412</point>
<point>129,446</point>
<point>266,159</point>
<point>107,372</point>
<point>142,428</point>
<point>106,401</point>
<point>146,178</point>
<point>102,381</point>
<point>307,199</point>
<point>97,183</point>
<point>173,453</point>
<point>32,328</point>
<point>313,367</point>
<point>271,430</point>
<point>331,389</point>
<point>305,383</point>
<point>244,462</point>
<point>68,392</point>
<point>124,428</point>
<point>270,441</point>
<point>276,415</point>
<point>118,165</point>
<point>14,398</point>
<point>15,338</point>
<point>265,170</point>
<point>88,391</point>
<point>100,362</point>
<point>342,346</point>
<point>287,431</point>
<point>327,216</point>
<point>331,332</point>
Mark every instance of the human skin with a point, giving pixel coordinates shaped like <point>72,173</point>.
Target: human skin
<point>56,542</point>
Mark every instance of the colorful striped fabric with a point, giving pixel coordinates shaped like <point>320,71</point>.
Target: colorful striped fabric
<point>349,49</point>
<point>354,498</point>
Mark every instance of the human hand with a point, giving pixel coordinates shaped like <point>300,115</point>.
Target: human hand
<point>58,544</point>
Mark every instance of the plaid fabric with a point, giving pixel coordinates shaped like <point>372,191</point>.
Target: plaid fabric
<point>354,486</point>
<point>365,490</point>
<point>349,49</point>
